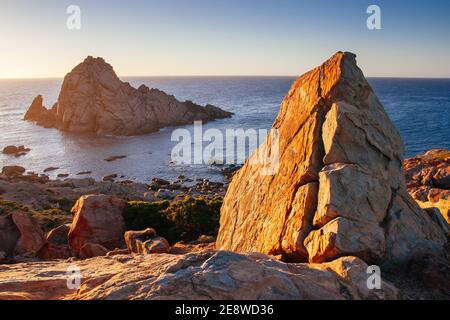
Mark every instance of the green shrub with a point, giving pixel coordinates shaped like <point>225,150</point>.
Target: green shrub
<point>181,220</point>
<point>47,219</point>
<point>7,206</point>
<point>139,215</point>
<point>51,218</point>
<point>63,204</point>
<point>193,217</point>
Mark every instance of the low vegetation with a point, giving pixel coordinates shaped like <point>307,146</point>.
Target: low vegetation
<point>47,219</point>
<point>51,218</point>
<point>186,219</point>
<point>7,206</point>
<point>180,220</point>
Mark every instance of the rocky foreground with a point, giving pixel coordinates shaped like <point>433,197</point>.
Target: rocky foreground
<point>94,100</point>
<point>204,275</point>
<point>428,180</point>
<point>338,203</point>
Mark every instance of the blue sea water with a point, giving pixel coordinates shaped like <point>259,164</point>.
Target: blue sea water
<point>420,109</point>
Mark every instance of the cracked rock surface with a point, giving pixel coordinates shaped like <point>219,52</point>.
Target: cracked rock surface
<point>205,275</point>
<point>339,189</point>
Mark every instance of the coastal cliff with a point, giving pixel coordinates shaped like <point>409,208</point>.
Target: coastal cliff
<point>94,100</point>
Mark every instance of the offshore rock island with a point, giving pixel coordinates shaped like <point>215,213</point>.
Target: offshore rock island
<point>94,100</point>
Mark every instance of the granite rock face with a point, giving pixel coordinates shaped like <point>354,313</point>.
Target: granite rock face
<point>339,189</point>
<point>428,180</point>
<point>97,219</point>
<point>93,99</point>
<point>202,275</point>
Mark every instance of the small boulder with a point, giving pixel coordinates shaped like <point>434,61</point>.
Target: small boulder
<point>97,219</point>
<point>54,252</point>
<point>110,177</point>
<point>90,250</point>
<point>146,242</point>
<point>114,158</point>
<point>13,171</point>
<point>58,235</point>
<point>10,150</point>
<point>164,194</point>
<point>31,238</point>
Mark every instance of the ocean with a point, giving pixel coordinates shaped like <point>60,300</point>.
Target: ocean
<point>420,109</point>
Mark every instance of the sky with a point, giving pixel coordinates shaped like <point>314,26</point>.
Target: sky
<point>223,37</point>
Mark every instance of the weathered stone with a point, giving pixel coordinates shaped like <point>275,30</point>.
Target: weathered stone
<point>337,187</point>
<point>93,99</point>
<point>13,171</point>
<point>59,235</point>
<point>114,158</point>
<point>164,194</point>
<point>97,219</point>
<point>90,250</point>
<point>341,237</point>
<point>51,252</point>
<point>110,177</point>
<point>203,275</point>
<point>10,150</point>
<point>428,180</point>
<point>146,242</point>
<point>9,235</point>
<point>31,238</point>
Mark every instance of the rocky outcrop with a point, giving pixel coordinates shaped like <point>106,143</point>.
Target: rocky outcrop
<point>339,189</point>
<point>12,171</point>
<point>16,151</point>
<point>146,242</point>
<point>428,180</point>
<point>97,219</point>
<point>39,192</point>
<point>93,99</point>
<point>31,236</point>
<point>203,275</point>
<point>41,115</point>
<point>20,236</point>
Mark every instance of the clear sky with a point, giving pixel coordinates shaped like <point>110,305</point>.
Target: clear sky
<point>223,37</point>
